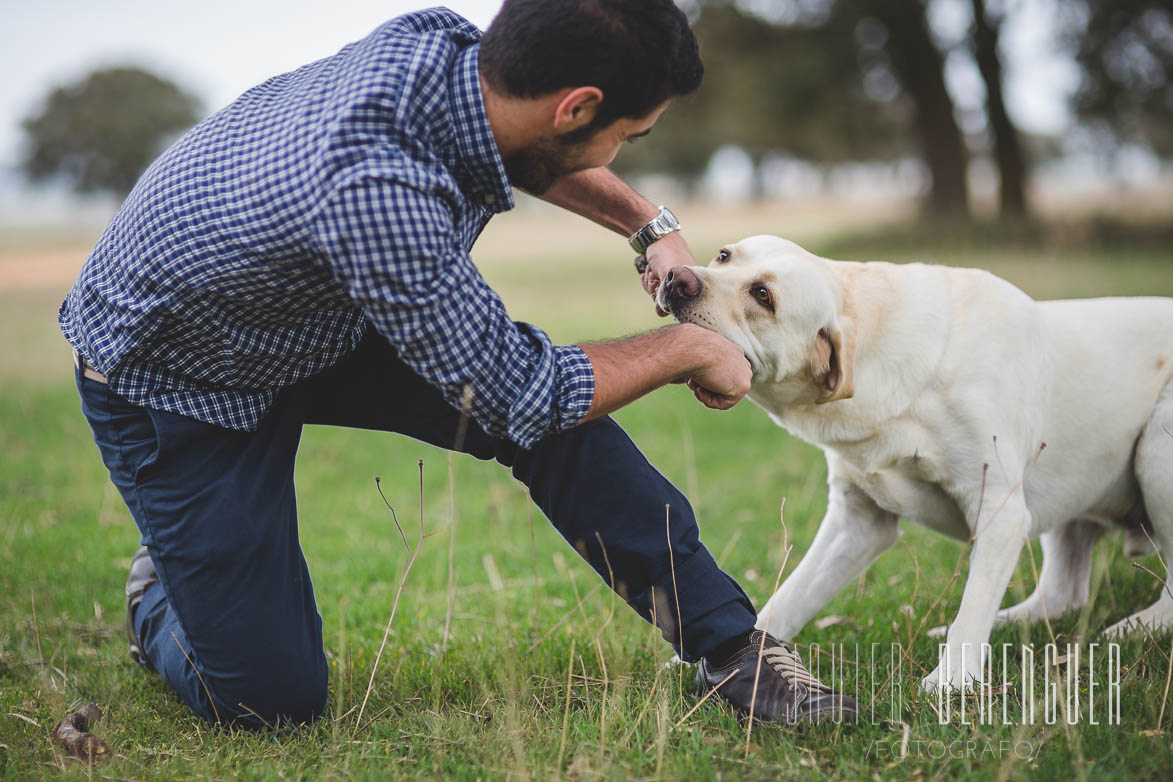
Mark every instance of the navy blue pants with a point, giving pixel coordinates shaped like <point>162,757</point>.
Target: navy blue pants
<point>232,624</point>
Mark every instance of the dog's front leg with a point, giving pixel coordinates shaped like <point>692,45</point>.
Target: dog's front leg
<point>853,533</point>
<point>998,540</point>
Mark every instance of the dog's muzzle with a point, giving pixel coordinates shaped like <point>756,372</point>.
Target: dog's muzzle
<point>679,286</point>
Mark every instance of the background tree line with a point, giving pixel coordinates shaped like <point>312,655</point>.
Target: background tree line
<point>826,81</point>
<point>835,81</point>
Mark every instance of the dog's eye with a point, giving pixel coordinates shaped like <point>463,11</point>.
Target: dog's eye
<point>762,295</point>
<point>722,256</point>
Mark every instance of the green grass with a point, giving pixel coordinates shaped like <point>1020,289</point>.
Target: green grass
<point>495,702</point>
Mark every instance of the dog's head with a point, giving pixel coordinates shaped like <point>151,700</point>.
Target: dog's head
<point>780,304</point>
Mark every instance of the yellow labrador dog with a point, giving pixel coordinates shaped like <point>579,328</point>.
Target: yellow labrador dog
<point>950,398</point>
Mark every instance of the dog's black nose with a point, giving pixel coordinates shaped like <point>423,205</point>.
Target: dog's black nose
<point>681,283</point>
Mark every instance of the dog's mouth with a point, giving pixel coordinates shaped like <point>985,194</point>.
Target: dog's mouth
<point>664,303</point>
<point>684,310</point>
<point>684,313</point>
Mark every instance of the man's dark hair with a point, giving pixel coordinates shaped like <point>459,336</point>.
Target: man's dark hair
<point>639,53</point>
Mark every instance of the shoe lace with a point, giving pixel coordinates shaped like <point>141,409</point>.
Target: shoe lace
<point>788,665</point>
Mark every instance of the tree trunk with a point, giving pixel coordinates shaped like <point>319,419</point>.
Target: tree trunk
<point>919,66</point>
<point>1007,148</point>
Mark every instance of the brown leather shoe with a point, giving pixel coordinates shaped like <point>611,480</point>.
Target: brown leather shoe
<point>142,575</point>
<point>785,690</point>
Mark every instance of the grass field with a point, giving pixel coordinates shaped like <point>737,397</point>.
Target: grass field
<point>541,673</point>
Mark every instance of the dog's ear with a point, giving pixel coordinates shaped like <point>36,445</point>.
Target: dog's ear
<point>832,362</point>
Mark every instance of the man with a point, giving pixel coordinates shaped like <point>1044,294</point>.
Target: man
<point>301,257</point>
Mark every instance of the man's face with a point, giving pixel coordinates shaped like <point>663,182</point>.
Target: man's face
<point>537,167</point>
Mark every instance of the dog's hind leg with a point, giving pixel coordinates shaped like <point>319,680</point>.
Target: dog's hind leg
<point>1154,473</point>
<point>853,533</point>
<point>1000,530</point>
<point>1066,575</point>
<point>1064,580</point>
<point>1138,532</point>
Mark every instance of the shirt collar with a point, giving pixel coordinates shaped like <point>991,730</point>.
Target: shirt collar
<point>478,157</point>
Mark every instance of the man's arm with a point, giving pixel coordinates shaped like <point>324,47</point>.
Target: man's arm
<point>393,248</point>
<point>396,250</point>
<point>716,369</point>
<point>604,198</point>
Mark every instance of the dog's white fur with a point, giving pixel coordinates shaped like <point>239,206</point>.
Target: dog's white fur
<point>932,391</point>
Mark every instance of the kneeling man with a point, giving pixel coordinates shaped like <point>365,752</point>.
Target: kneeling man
<point>301,257</point>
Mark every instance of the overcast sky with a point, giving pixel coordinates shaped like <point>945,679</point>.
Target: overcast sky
<point>219,48</point>
<point>215,48</point>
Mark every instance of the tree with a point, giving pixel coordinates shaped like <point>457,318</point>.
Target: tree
<point>791,89</point>
<point>919,67</point>
<point>1007,146</point>
<point>1124,49</point>
<point>101,132</point>
<point>823,80</point>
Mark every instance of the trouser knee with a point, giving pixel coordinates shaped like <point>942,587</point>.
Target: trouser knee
<point>270,694</point>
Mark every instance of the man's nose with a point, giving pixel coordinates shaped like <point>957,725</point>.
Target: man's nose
<point>681,283</point>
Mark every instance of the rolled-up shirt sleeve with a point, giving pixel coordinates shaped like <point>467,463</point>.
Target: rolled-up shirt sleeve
<point>397,251</point>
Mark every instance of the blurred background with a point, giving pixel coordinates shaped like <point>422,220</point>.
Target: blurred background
<point>1008,108</point>
<point>1028,137</point>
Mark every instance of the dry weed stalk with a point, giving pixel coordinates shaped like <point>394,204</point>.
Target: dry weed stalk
<point>787,547</point>
<point>402,581</point>
<point>566,711</point>
<point>675,595</point>
<point>1169,670</point>
<point>451,591</point>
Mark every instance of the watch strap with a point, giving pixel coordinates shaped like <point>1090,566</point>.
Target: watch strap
<point>657,228</point>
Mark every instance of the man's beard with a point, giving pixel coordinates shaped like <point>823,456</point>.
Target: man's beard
<point>537,167</point>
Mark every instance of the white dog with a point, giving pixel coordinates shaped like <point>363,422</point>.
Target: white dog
<point>950,398</point>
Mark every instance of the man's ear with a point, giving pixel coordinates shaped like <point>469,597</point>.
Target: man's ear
<point>832,364</point>
<point>577,108</point>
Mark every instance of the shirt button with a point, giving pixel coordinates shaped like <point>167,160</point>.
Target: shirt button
<point>490,199</point>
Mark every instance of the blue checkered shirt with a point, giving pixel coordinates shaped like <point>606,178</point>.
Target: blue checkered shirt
<point>256,250</point>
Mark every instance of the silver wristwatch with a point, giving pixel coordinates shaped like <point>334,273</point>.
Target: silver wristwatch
<point>657,228</point>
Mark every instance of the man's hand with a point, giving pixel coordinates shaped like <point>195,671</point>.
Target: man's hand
<point>724,374</point>
<point>713,367</point>
<point>661,256</point>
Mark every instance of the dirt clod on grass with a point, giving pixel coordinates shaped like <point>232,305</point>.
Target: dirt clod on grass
<point>73,733</point>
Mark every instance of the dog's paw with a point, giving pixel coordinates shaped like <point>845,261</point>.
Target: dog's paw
<point>940,631</point>
<point>1155,618</point>
<point>931,683</point>
<point>935,682</point>
<point>1126,627</point>
<point>956,679</point>
<point>1119,630</point>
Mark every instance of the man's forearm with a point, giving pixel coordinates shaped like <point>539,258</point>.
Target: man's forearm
<point>627,369</point>
<point>716,369</point>
<point>604,198</point>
